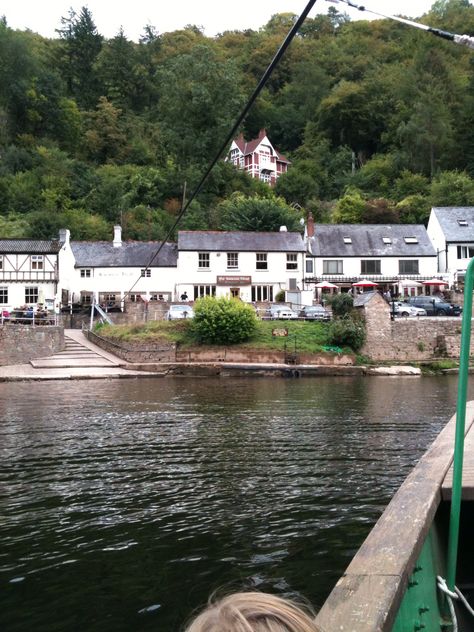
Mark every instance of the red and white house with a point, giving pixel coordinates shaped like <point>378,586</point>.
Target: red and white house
<point>258,157</point>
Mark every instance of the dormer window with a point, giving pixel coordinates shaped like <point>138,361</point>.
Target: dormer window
<point>386,240</point>
<point>411,240</point>
<point>463,222</point>
<point>347,240</point>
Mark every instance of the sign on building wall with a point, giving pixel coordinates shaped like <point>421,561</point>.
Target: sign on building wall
<point>234,280</point>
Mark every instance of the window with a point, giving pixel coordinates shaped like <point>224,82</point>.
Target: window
<point>86,299</point>
<point>265,176</point>
<point>203,260</point>
<point>370,266</point>
<point>158,296</point>
<point>86,273</point>
<point>145,272</point>
<point>465,252</point>
<point>204,290</point>
<point>332,266</point>
<point>386,240</point>
<point>309,266</point>
<point>3,295</point>
<point>233,260</point>
<point>31,295</point>
<point>135,298</point>
<point>292,261</point>
<point>411,240</point>
<point>292,284</point>
<point>408,266</point>
<point>347,240</point>
<point>463,222</point>
<point>262,263</point>
<point>261,293</point>
<point>37,262</point>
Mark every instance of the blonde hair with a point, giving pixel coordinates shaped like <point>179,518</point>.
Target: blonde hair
<point>253,612</point>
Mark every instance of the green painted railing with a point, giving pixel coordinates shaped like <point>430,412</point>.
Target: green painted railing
<point>460,425</point>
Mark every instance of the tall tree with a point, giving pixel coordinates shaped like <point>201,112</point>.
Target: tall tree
<point>81,46</point>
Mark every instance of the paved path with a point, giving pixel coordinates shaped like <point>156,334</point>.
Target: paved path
<point>80,359</point>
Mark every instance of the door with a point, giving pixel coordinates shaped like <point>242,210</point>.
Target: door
<point>235,292</point>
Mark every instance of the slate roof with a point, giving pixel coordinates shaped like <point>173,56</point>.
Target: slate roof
<point>239,241</point>
<point>248,147</point>
<point>367,240</point>
<point>30,246</point>
<point>102,254</point>
<point>448,217</point>
<point>362,299</point>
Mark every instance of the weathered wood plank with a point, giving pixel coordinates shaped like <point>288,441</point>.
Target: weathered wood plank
<point>367,597</point>
<point>467,472</point>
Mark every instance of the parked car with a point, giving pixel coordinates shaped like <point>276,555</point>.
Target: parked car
<point>279,311</point>
<point>179,311</point>
<point>405,309</point>
<point>435,306</point>
<point>314,312</point>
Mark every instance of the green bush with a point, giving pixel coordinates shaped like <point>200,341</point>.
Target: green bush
<point>280,296</point>
<point>341,304</point>
<point>347,332</point>
<point>223,320</point>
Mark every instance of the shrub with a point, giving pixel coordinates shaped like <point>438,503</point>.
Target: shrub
<point>347,332</point>
<point>223,320</point>
<point>280,296</point>
<point>341,304</point>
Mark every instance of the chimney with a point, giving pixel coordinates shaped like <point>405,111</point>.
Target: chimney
<point>117,237</point>
<point>262,133</point>
<point>310,225</point>
<point>64,236</point>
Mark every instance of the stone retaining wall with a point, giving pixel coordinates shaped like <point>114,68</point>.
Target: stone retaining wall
<point>409,339</point>
<point>137,352</point>
<point>21,343</point>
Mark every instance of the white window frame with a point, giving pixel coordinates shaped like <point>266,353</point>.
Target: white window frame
<point>466,252</point>
<point>86,273</point>
<point>4,295</point>
<point>145,272</point>
<point>232,260</point>
<point>262,293</point>
<point>366,263</point>
<point>204,290</point>
<point>309,265</point>
<point>333,263</point>
<point>261,261</point>
<point>403,262</point>
<point>37,262</point>
<point>204,260</point>
<point>31,295</point>
<point>291,261</point>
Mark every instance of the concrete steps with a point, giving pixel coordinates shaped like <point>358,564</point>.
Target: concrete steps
<point>75,355</point>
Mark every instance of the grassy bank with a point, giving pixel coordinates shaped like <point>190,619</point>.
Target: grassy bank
<point>310,337</point>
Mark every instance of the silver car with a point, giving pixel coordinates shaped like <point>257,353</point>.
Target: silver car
<point>179,311</point>
<point>406,310</point>
<point>279,311</point>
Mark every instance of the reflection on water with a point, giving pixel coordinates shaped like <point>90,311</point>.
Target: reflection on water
<point>125,503</point>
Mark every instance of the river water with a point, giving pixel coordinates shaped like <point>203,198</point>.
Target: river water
<point>124,503</point>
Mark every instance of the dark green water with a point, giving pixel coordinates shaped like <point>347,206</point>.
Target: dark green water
<point>124,503</point>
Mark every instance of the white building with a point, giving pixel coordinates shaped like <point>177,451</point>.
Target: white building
<point>29,271</point>
<point>451,230</point>
<point>258,157</point>
<point>109,272</point>
<point>251,266</point>
<point>385,254</point>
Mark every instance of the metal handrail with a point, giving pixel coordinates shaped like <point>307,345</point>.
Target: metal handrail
<point>455,512</point>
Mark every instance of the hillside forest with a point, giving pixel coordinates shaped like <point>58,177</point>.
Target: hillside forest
<point>377,119</point>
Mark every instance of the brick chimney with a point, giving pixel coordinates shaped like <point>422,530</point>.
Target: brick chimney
<point>310,225</point>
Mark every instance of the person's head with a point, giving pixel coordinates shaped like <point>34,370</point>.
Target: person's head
<point>253,612</point>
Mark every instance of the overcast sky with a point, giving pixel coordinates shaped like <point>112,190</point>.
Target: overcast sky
<point>168,15</point>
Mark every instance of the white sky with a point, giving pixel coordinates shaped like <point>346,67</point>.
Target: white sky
<point>168,15</point>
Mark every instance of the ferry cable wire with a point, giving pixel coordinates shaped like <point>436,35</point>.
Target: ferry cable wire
<point>278,55</point>
<point>450,595</point>
<point>464,40</point>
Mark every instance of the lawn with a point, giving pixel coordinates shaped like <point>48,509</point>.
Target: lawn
<point>310,336</point>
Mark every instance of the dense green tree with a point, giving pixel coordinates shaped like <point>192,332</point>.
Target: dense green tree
<point>452,188</point>
<point>254,213</point>
<point>104,139</point>
<point>81,46</point>
<point>116,68</point>
<point>349,209</point>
